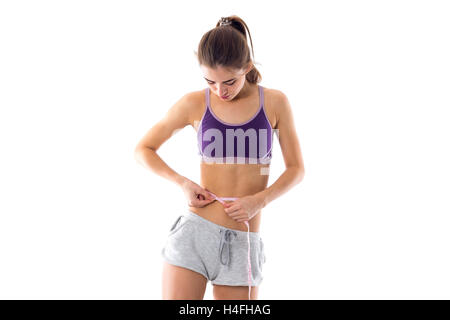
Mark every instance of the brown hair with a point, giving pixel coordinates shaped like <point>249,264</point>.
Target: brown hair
<point>226,46</point>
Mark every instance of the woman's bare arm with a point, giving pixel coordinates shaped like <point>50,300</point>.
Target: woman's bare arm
<point>176,118</point>
<point>290,148</point>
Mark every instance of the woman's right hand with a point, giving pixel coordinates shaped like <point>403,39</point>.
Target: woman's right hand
<point>196,195</point>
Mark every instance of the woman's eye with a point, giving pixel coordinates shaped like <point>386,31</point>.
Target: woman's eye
<point>229,84</point>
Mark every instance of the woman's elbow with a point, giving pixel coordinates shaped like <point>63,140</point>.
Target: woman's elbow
<point>300,174</point>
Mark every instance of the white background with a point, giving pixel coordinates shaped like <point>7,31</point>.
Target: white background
<point>82,81</point>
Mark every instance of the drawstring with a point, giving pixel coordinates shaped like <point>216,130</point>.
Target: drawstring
<point>176,222</point>
<point>226,242</point>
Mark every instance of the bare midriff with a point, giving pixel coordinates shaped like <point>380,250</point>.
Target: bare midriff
<point>231,180</point>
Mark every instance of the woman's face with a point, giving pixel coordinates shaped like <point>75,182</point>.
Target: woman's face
<point>224,82</point>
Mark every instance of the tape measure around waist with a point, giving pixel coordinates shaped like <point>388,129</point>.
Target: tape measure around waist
<point>249,265</point>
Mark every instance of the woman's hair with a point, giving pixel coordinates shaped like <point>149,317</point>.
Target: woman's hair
<point>226,46</point>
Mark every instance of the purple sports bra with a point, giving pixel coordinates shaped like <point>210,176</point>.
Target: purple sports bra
<point>249,142</point>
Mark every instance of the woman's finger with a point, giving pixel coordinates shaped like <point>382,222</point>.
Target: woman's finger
<point>205,202</point>
<point>232,211</point>
<point>207,195</point>
<point>200,197</point>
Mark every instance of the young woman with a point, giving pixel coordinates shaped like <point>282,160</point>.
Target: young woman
<point>217,237</point>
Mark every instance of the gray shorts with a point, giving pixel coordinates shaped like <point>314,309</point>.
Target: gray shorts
<point>218,253</point>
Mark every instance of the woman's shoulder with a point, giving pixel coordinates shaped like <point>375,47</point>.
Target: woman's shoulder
<point>273,93</point>
<point>197,107</point>
<point>280,105</point>
<point>274,102</point>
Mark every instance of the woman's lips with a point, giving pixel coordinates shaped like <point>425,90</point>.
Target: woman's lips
<point>225,97</point>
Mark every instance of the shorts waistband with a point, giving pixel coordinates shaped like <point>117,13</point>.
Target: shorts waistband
<point>240,235</point>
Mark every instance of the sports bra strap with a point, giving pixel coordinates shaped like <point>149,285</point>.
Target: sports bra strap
<point>261,96</point>
<point>207,97</point>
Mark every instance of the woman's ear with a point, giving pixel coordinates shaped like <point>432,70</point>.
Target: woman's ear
<point>249,68</point>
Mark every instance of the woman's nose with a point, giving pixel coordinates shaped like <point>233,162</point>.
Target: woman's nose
<point>222,90</point>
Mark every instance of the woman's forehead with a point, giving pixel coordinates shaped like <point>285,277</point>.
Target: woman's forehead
<point>220,73</point>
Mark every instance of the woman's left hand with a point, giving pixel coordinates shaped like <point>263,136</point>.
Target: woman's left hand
<point>244,209</point>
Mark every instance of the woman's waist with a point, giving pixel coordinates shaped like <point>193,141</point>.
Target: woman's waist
<point>215,212</point>
<point>222,200</point>
<point>225,191</point>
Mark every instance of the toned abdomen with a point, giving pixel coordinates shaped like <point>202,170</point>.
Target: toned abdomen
<point>231,180</point>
